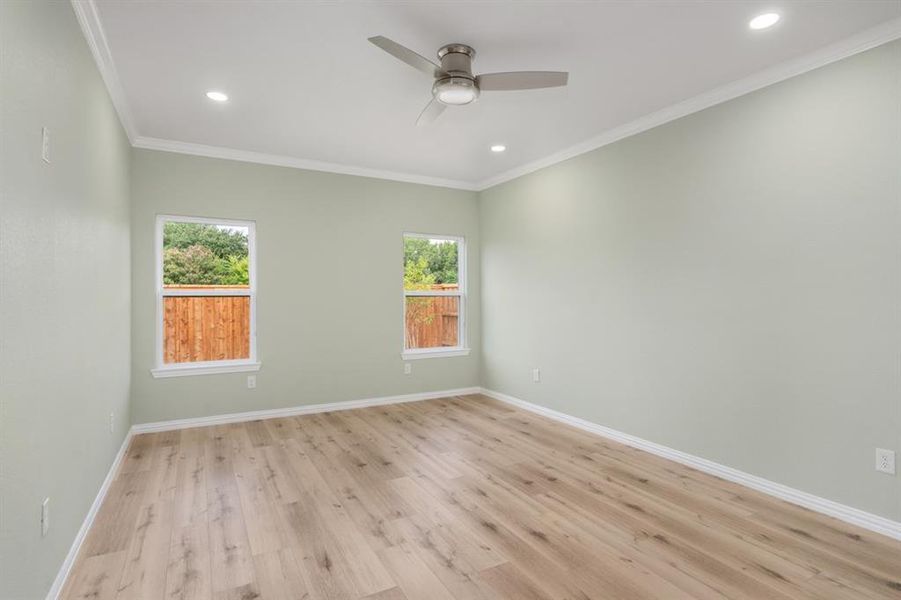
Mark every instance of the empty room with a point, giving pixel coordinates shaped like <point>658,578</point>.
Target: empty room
<point>450,300</point>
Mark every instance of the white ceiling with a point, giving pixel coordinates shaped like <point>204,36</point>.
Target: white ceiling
<point>304,83</point>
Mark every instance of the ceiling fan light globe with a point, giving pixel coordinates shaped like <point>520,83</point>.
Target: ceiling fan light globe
<point>455,91</point>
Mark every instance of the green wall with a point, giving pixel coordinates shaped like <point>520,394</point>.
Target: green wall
<point>330,264</point>
<point>64,289</point>
<point>727,284</point>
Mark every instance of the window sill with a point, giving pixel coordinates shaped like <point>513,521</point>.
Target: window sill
<point>440,353</point>
<point>186,371</point>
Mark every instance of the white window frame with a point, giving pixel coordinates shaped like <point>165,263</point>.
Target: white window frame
<point>461,349</point>
<point>163,369</point>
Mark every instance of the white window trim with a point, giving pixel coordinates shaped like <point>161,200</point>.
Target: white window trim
<point>420,353</point>
<point>462,348</point>
<point>162,369</point>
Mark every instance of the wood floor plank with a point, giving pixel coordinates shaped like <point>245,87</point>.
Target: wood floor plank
<point>392,594</point>
<point>139,454</point>
<point>346,541</point>
<point>441,556</point>
<point>279,576</point>
<point>249,591</point>
<point>325,569</point>
<point>265,530</point>
<point>230,551</point>
<point>275,466</point>
<point>458,498</point>
<point>467,542</point>
<point>189,502</point>
<point>95,577</point>
<point>162,474</point>
<point>144,575</point>
<point>509,582</point>
<point>412,575</point>
<point>117,516</point>
<point>188,573</point>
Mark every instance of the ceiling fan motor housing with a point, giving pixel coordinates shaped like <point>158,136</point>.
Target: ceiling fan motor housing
<point>458,86</point>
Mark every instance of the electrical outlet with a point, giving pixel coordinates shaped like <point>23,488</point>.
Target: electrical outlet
<point>45,145</point>
<point>45,516</point>
<point>408,368</point>
<point>251,382</point>
<point>885,461</point>
<point>536,375</point>
<point>112,422</point>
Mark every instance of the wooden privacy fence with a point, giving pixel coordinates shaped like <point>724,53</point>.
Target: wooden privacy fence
<point>432,321</point>
<point>205,328</point>
<point>208,328</point>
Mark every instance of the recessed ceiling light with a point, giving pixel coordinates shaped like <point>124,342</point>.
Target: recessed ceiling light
<point>763,21</point>
<point>217,96</point>
<point>498,148</point>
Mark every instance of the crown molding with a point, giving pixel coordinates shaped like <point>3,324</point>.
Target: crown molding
<point>89,20</point>
<point>91,27</point>
<point>865,40</point>
<point>149,143</point>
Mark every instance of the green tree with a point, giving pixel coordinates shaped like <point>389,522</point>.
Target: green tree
<point>202,254</point>
<point>417,275</point>
<point>234,271</point>
<point>440,258</point>
<point>192,265</point>
<point>221,242</point>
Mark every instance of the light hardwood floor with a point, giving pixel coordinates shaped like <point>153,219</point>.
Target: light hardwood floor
<point>459,498</point>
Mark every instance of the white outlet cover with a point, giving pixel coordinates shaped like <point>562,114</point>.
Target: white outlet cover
<point>45,516</point>
<point>536,375</point>
<point>45,144</point>
<point>408,368</point>
<point>251,382</point>
<point>885,461</point>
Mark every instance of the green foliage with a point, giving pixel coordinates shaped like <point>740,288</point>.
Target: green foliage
<point>192,265</point>
<point>417,275</point>
<point>436,261</point>
<point>201,254</point>
<point>234,271</point>
<point>221,242</point>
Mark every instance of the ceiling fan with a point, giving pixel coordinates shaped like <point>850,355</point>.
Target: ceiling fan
<point>455,85</point>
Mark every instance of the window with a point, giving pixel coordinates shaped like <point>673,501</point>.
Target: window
<point>206,296</point>
<point>434,296</point>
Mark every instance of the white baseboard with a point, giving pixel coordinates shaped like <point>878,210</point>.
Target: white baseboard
<point>842,512</point>
<point>63,574</point>
<point>296,410</point>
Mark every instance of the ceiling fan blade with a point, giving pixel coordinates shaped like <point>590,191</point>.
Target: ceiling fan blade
<point>521,80</point>
<point>431,112</point>
<point>405,54</point>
